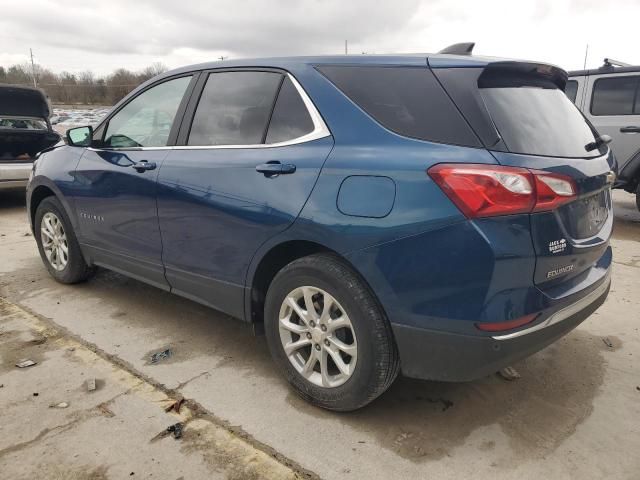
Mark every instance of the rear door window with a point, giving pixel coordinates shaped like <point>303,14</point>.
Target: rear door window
<point>290,118</point>
<point>234,108</point>
<point>539,120</point>
<point>406,100</point>
<point>571,90</point>
<point>615,96</point>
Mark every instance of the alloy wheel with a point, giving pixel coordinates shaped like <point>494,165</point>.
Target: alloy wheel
<point>54,241</point>
<point>317,336</point>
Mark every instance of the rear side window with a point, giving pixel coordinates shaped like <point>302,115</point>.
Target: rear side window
<point>234,108</point>
<point>407,100</point>
<point>571,90</point>
<point>290,118</point>
<point>615,96</point>
<point>539,120</point>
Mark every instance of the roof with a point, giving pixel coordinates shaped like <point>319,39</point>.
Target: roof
<point>604,69</point>
<point>434,60</point>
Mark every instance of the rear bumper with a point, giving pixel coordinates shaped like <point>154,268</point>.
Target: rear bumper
<point>14,175</point>
<point>437,355</point>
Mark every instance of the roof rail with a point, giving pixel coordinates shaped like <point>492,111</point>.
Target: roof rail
<point>610,62</point>
<point>459,48</point>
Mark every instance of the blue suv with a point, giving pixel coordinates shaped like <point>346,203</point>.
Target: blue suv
<point>437,215</point>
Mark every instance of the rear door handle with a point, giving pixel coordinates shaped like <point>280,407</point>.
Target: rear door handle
<point>271,169</point>
<point>632,129</point>
<point>144,165</point>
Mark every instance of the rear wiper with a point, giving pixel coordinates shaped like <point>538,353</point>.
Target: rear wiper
<point>601,140</point>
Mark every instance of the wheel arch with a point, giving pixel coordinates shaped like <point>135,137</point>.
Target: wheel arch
<point>273,260</point>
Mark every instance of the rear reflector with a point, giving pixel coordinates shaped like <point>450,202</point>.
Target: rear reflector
<point>509,325</point>
<point>489,190</point>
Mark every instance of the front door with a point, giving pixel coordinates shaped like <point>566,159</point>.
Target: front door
<point>253,152</point>
<point>115,183</point>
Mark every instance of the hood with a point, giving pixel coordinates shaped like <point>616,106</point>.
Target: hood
<point>23,102</point>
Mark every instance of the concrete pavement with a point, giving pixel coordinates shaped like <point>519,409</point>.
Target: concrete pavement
<point>571,415</point>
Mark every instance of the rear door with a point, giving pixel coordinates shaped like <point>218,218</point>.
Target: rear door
<point>526,120</point>
<point>252,148</point>
<point>613,106</point>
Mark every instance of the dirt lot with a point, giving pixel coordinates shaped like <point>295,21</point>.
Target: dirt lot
<point>574,413</point>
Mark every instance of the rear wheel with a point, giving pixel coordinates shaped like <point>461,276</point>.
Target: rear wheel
<point>57,243</point>
<point>326,331</point>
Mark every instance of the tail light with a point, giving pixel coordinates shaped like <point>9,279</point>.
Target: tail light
<point>491,190</point>
<point>508,325</point>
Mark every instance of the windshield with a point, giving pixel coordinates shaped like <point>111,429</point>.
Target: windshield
<point>23,123</point>
<point>539,121</point>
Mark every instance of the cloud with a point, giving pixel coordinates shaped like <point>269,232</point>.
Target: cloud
<point>72,35</point>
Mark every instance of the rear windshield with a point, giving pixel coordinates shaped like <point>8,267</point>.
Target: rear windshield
<point>539,121</point>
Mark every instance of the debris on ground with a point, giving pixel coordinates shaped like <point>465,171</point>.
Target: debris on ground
<point>176,429</point>
<point>156,357</point>
<point>91,384</point>
<point>25,363</point>
<point>27,234</point>
<point>607,342</point>
<point>175,406</point>
<point>106,411</point>
<point>509,373</point>
<point>35,394</point>
<point>59,405</point>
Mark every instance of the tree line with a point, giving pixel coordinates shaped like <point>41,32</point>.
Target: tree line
<point>80,88</point>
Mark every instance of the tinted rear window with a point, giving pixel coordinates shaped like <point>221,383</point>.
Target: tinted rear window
<point>234,108</point>
<point>615,96</point>
<point>406,100</point>
<point>571,90</point>
<point>290,118</point>
<point>539,121</point>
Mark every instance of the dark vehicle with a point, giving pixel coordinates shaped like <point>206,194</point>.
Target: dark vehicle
<point>440,215</point>
<point>24,131</point>
<point>609,97</point>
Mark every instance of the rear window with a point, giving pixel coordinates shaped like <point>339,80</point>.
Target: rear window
<point>539,120</point>
<point>615,96</point>
<point>407,100</point>
<point>571,90</point>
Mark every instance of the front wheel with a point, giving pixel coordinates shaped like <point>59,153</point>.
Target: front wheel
<point>326,331</point>
<point>57,243</point>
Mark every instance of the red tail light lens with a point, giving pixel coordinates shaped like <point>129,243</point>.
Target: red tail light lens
<point>508,325</point>
<point>491,190</point>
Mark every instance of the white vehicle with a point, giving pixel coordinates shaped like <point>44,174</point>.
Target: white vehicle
<point>609,97</point>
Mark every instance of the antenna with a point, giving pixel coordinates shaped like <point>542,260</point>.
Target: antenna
<point>33,69</point>
<point>586,53</point>
<point>459,48</point>
<point>346,47</point>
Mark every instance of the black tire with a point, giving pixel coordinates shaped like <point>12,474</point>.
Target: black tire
<point>76,269</point>
<point>638,197</point>
<point>377,363</point>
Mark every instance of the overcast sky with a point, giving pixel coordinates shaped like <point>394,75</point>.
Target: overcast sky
<point>76,35</point>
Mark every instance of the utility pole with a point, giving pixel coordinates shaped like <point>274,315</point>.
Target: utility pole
<point>586,52</point>
<point>346,47</point>
<point>33,69</point>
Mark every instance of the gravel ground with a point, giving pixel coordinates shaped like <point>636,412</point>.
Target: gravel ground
<point>572,414</point>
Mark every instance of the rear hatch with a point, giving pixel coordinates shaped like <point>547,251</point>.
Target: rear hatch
<point>24,126</point>
<point>521,114</point>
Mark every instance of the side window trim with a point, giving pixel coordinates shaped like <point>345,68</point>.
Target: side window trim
<point>320,129</point>
<point>177,121</point>
<point>636,94</point>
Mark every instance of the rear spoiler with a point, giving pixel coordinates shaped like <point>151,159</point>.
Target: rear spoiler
<point>516,74</point>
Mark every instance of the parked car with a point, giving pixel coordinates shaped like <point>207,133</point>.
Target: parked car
<point>24,131</point>
<point>441,215</point>
<point>609,97</point>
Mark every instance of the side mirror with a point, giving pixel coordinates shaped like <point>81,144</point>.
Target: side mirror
<point>80,136</point>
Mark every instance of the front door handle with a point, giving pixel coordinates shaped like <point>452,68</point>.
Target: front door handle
<point>271,169</point>
<point>143,166</point>
<point>632,129</point>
